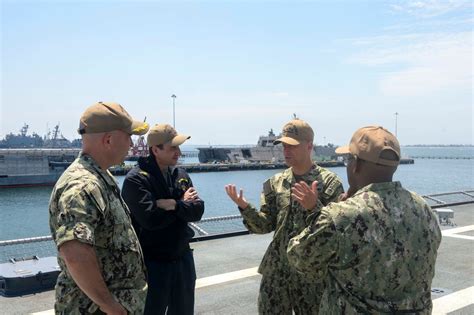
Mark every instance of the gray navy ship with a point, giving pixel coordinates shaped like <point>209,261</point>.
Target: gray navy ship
<point>266,151</point>
<point>31,160</point>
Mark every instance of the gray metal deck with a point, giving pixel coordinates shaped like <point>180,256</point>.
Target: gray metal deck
<point>220,291</point>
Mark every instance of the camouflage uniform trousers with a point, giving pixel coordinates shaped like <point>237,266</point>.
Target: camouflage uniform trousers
<point>284,291</point>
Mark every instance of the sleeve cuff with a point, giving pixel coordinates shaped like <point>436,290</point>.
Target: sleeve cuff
<point>246,209</point>
<point>81,232</point>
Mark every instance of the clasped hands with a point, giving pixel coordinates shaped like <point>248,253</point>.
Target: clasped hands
<point>190,195</point>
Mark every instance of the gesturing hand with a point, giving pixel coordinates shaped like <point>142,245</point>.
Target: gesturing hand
<point>190,195</point>
<point>237,198</point>
<point>306,196</point>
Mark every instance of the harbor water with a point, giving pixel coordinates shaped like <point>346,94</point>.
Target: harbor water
<point>24,211</point>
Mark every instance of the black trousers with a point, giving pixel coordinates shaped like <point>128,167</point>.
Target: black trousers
<point>171,286</point>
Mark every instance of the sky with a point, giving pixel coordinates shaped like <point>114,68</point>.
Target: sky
<point>241,68</point>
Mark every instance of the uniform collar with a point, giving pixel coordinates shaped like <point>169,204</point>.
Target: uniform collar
<point>92,164</point>
<point>311,175</point>
<point>379,187</point>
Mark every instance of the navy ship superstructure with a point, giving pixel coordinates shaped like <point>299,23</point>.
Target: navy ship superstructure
<point>53,139</point>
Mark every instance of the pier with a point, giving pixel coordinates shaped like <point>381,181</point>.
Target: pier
<point>443,157</point>
<point>225,167</point>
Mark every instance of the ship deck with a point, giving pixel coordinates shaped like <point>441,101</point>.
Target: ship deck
<point>228,281</point>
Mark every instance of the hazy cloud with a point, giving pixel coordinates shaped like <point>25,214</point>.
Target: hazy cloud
<point>430,8</point>
<point>430,61</point>
<point>281,94</point>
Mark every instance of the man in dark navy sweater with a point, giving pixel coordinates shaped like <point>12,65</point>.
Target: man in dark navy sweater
<point>162,201</point>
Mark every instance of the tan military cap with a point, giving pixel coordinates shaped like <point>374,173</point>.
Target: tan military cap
<point>106,117</point>
<point>164,133</point>
<point>296,131</point>
<point>368,143</point>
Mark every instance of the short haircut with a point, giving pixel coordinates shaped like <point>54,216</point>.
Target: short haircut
<point>389,155</point>
<point>150,149</point>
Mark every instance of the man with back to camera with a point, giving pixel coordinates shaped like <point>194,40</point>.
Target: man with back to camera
<point>377,249</point>
<point>162,201</point>
<point>282,289</point>
<point>102,267</point>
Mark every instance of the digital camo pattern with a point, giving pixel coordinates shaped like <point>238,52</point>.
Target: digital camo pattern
<point>86,206</point>
<point>286,291</point>
<point>376,251</point>
<point>282,287</point>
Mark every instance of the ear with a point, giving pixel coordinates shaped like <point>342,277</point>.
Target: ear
<point>155,150</point>
<point>107,139</point>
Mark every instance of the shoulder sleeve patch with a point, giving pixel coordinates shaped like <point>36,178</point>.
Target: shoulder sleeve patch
<point>267,187</point>
<point>331,189</point>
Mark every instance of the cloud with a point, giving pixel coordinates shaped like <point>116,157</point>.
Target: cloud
<point>430,8</point>
<point>423,62</point>
<point>429,24</point>
<point>281,94</point>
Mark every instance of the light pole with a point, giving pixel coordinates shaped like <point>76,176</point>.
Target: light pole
<point>396,123</point>
<point>174,122</point>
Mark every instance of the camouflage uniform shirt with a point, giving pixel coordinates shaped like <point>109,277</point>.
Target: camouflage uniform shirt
<point>86,206</point>
<point>287,218</point>
<point>376,252</point>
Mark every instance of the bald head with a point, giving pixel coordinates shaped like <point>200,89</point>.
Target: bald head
<point>107,148</point>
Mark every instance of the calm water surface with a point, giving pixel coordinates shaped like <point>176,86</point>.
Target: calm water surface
<point>24,211</point>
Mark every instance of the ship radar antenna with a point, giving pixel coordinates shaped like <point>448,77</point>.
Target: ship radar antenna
<point>24,130</point>
<point>56,132</point>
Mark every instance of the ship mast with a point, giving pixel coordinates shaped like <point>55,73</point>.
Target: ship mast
<point>24,130</point>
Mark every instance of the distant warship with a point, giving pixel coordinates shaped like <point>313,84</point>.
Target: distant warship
<point>54,139</point>
<point>266,151</point>
<point>31,160</point>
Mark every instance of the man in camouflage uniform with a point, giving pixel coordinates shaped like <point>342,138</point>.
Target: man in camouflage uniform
<point>102,267</point>
<point>376,250</point>
<point>283,289</point>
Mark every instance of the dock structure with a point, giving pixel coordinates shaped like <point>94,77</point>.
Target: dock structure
<point>225,167</point>
<point>442,157</point>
